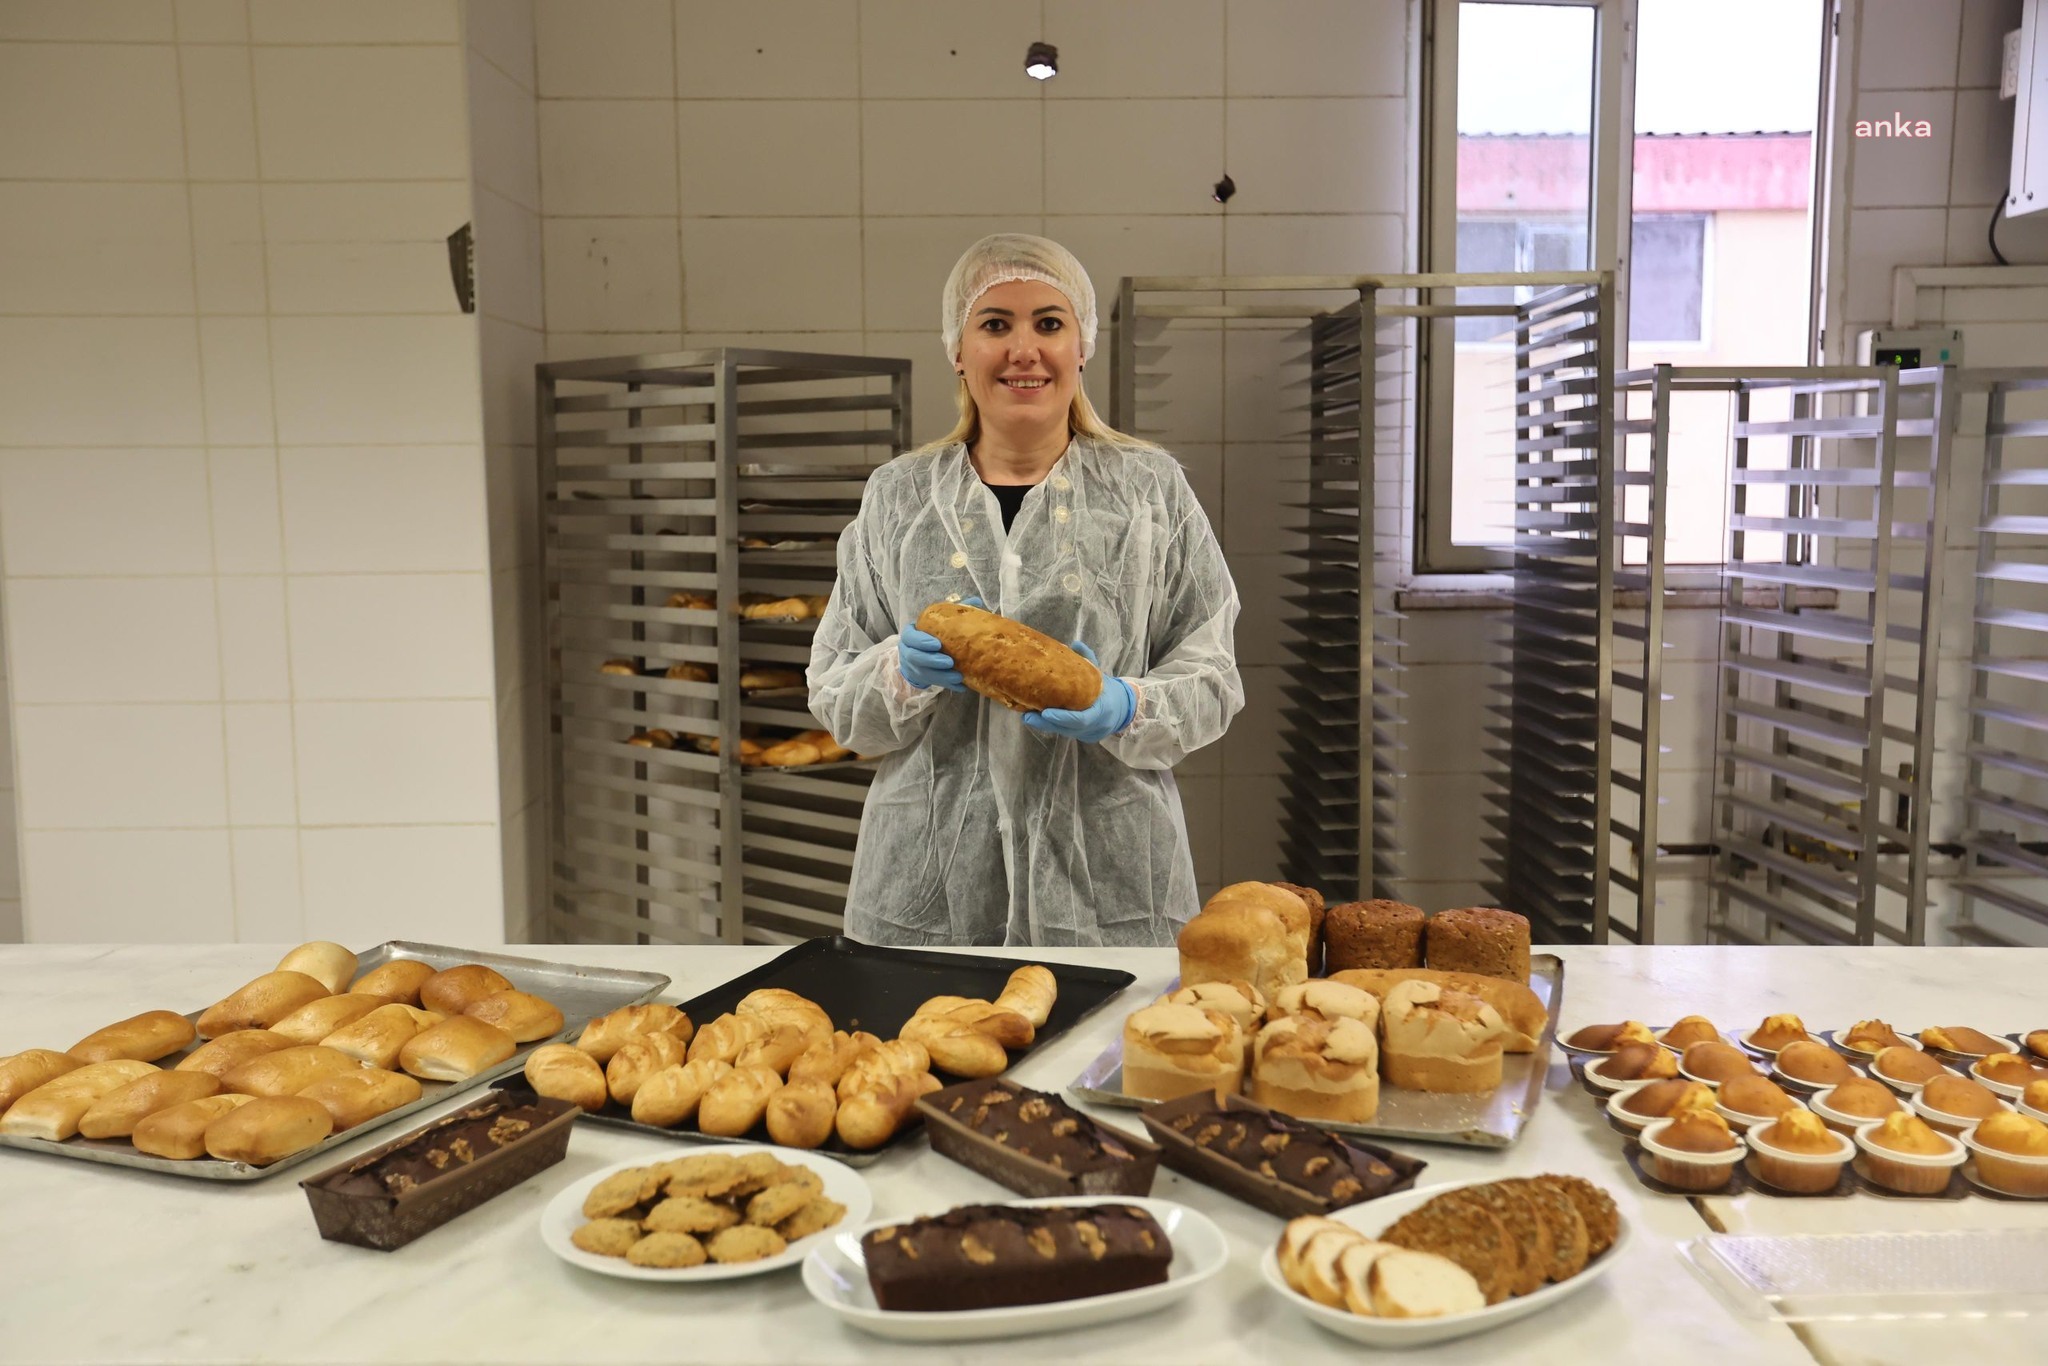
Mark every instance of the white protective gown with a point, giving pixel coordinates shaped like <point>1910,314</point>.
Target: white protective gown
<point>978,830</point>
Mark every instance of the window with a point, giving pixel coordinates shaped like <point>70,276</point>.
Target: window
<point>1667,277</point>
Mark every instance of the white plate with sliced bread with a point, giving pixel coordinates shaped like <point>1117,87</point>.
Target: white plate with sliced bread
<point>836,1275</point>
<point>565,1215</point>
<point>1376,1216</point>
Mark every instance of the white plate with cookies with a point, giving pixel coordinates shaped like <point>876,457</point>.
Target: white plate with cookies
<point>705,1216</point>
<point>1374,1217</point>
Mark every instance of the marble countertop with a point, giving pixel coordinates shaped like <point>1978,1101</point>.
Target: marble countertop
<point>109,1265</point>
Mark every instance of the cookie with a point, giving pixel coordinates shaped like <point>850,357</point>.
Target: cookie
<point>621,1191</point>
<point>758,1171</point>
<point>1567,1227</point>
<point>1467,1235</point>
<point>778,1202</point>
<point>815,1217</point>
<point>690,1214</point>
<point>670,1251</point>
<point>745,1243</point>
<point>1596,1208</point>
<point>1524,1224</point>
<point>795,1174</point>
<point>705,1174</point>
<point>607,1237</point>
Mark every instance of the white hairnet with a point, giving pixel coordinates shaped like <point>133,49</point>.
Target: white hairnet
<point>1004,256</point>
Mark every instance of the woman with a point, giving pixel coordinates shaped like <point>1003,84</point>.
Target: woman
<point>1057,827</point>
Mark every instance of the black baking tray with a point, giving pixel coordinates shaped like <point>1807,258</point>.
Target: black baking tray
<point>866,986</point>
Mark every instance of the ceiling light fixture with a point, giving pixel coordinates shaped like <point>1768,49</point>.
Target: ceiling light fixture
<point>1042,62</point>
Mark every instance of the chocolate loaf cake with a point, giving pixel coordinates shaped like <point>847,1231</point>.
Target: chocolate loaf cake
<point>454,1143</point>
<point>1273,1160</point>
<point>989,1256</point>
<point>1035,1143</point>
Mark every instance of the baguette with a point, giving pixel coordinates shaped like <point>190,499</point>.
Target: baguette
<point>378,1037</point>
<point>179,1132</point>
<point>456,989</point>
<point>672,1095</point>
<point>1000,1023</point>
<point>116,1114</point>
<point>223,1055</point>
<point>24,1072</point>
<point>638,1060</point>
<point>527,1018</point>
<point>349,1098</point>
<point>736,1101</point>
<point>1520,1007</point>
<point>1030,992</point>
<point>868,1119</point>
<point>607,1034</point>
<point>1008,662</point>
<point>268,1129</point>
<point>329,964</point>
<point>52,1110</point>
<point>288,1071</point>
<point>399,980</point>
<point>315,1020</point>
<point>260,1004</point>
<point>146,1037</point>
<point>801,1114</point>
<point>563,1071</point>
<point>456,1049</point>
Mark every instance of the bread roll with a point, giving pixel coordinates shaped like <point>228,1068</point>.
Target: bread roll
<point>456,989</point>
<point>671,1096</point>
<point>288,1071</point>
<point>1030,992</point>
<point>224,1054</point>
<point>268,1129</point>
<point>1000,1023</point>
<point>800,1115</point>
<point>525,1017</point>
<point>330,965</point>
<point>956,1047</point>
<point>24,1072</point>
<point>398,980</point>
<point>562,1071</point>
<point>868,1119</point>
<point>726,1037</point>
<point>260,1004</point>
<point>827,1059</point>
<point>315,1020</point>
<point>606,1034</point>
<point>352,1097</point>
<point>116,1114</point>
<point>883,1061</point>
<point>1010,663</point>
<point>179,1132</point>
<point>146,1037</point>
<point>378,1037</point>
<point>52,1110</point>
<point>456,1049</point>
<point>736,1101</point>
<point>638,1060</point>
<point>781,1046</point>
<point>1520,1007</point>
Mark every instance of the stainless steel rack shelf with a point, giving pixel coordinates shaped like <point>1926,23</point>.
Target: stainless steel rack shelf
<point>719,474</point>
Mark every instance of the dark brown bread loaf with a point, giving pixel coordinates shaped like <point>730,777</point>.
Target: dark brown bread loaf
<point>985,1256</point>
<point>1007,661</point>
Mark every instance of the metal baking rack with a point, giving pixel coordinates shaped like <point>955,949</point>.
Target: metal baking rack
<point>1830,618</point>
<point>719,472</point>
<point>2003,890</point>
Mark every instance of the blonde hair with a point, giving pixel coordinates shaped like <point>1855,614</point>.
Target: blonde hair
<point>1082,420</point>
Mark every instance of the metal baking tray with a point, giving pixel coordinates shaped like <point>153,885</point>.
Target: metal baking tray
<point>581,993</point>
<point>865,986</point>
<point>1493,1120</point>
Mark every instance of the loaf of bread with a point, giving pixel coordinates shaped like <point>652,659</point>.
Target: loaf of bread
<point>828,1059</point>
<point>1173,1050</point>
<point>456,1049</point>
<point>869,1117</point>
<point>640,1059</point>
<point>315,1020</point>
<point>1312,1068</point>
<point>398,980</point>
<point>736,1101</point>
<point>146,1037</point>
<point>800,1115</point>
<point>1030,992</point>
<point>179,1132</point>
<point>223,1055</point>
<point>288,1071</point>
<point>378,1037</point>
<point>1520,1007</point>
<point>1010,663</point>
<point>1479,939</point>
<point>52,1110</point>
<point>260,1004</point>
<point>329,964</point>
<point>1239,941</point>
<point>524,1016</point>
<point>353,1097</point>
<point>1292,910</point>
<point>24,1072</point>
<point>454,990</point>
<point>116,1114</point>
<point>562,1071</point>
<point>671,1096</point>
<point>1439,1039</point>
<point>607,1034</point>
<point>268,1129</point>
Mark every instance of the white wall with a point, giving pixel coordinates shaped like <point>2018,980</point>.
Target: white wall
<point>803,173</point>
<point>246,569</point>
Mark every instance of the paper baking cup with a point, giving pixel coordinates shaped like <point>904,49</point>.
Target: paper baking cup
<point>1633,1122</point>
<point>1743,1122</point>
<point>2000,1088</point>
<point>1839,1120</point>
<point>1801,1173</point>
<point>1953,1125</point>
<point>2009,1172</point>
<point>1748,1040</point>
<point>1689,1171</point>
<point>1842,1044</point>
<point>1911,1173</point>
<point>1596,1077</point>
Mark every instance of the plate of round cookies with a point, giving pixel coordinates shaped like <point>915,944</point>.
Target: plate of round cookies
<point>706,1216</point>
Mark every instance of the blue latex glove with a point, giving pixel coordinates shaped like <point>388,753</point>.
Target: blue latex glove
<point>924,661</point>
<point>1110,712</point>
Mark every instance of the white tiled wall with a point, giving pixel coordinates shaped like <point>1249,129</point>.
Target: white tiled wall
<point>247,568</point>
<point>805,173</point>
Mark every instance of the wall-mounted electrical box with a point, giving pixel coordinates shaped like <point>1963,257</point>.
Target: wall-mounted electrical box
<point>1909,348</point>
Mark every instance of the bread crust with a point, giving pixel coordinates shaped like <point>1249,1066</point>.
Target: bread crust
<point>1008,662</point>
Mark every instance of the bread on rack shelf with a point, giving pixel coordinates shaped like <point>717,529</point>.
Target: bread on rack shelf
<point>766,607</point>
<point>623,667</point>
<point>761,677</point>
<point>690,600</point>
<point>691,673</point>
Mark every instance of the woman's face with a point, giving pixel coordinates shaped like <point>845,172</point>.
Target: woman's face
<point>1021,352</point>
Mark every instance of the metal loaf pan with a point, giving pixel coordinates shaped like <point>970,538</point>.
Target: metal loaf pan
<point>582,994</point>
